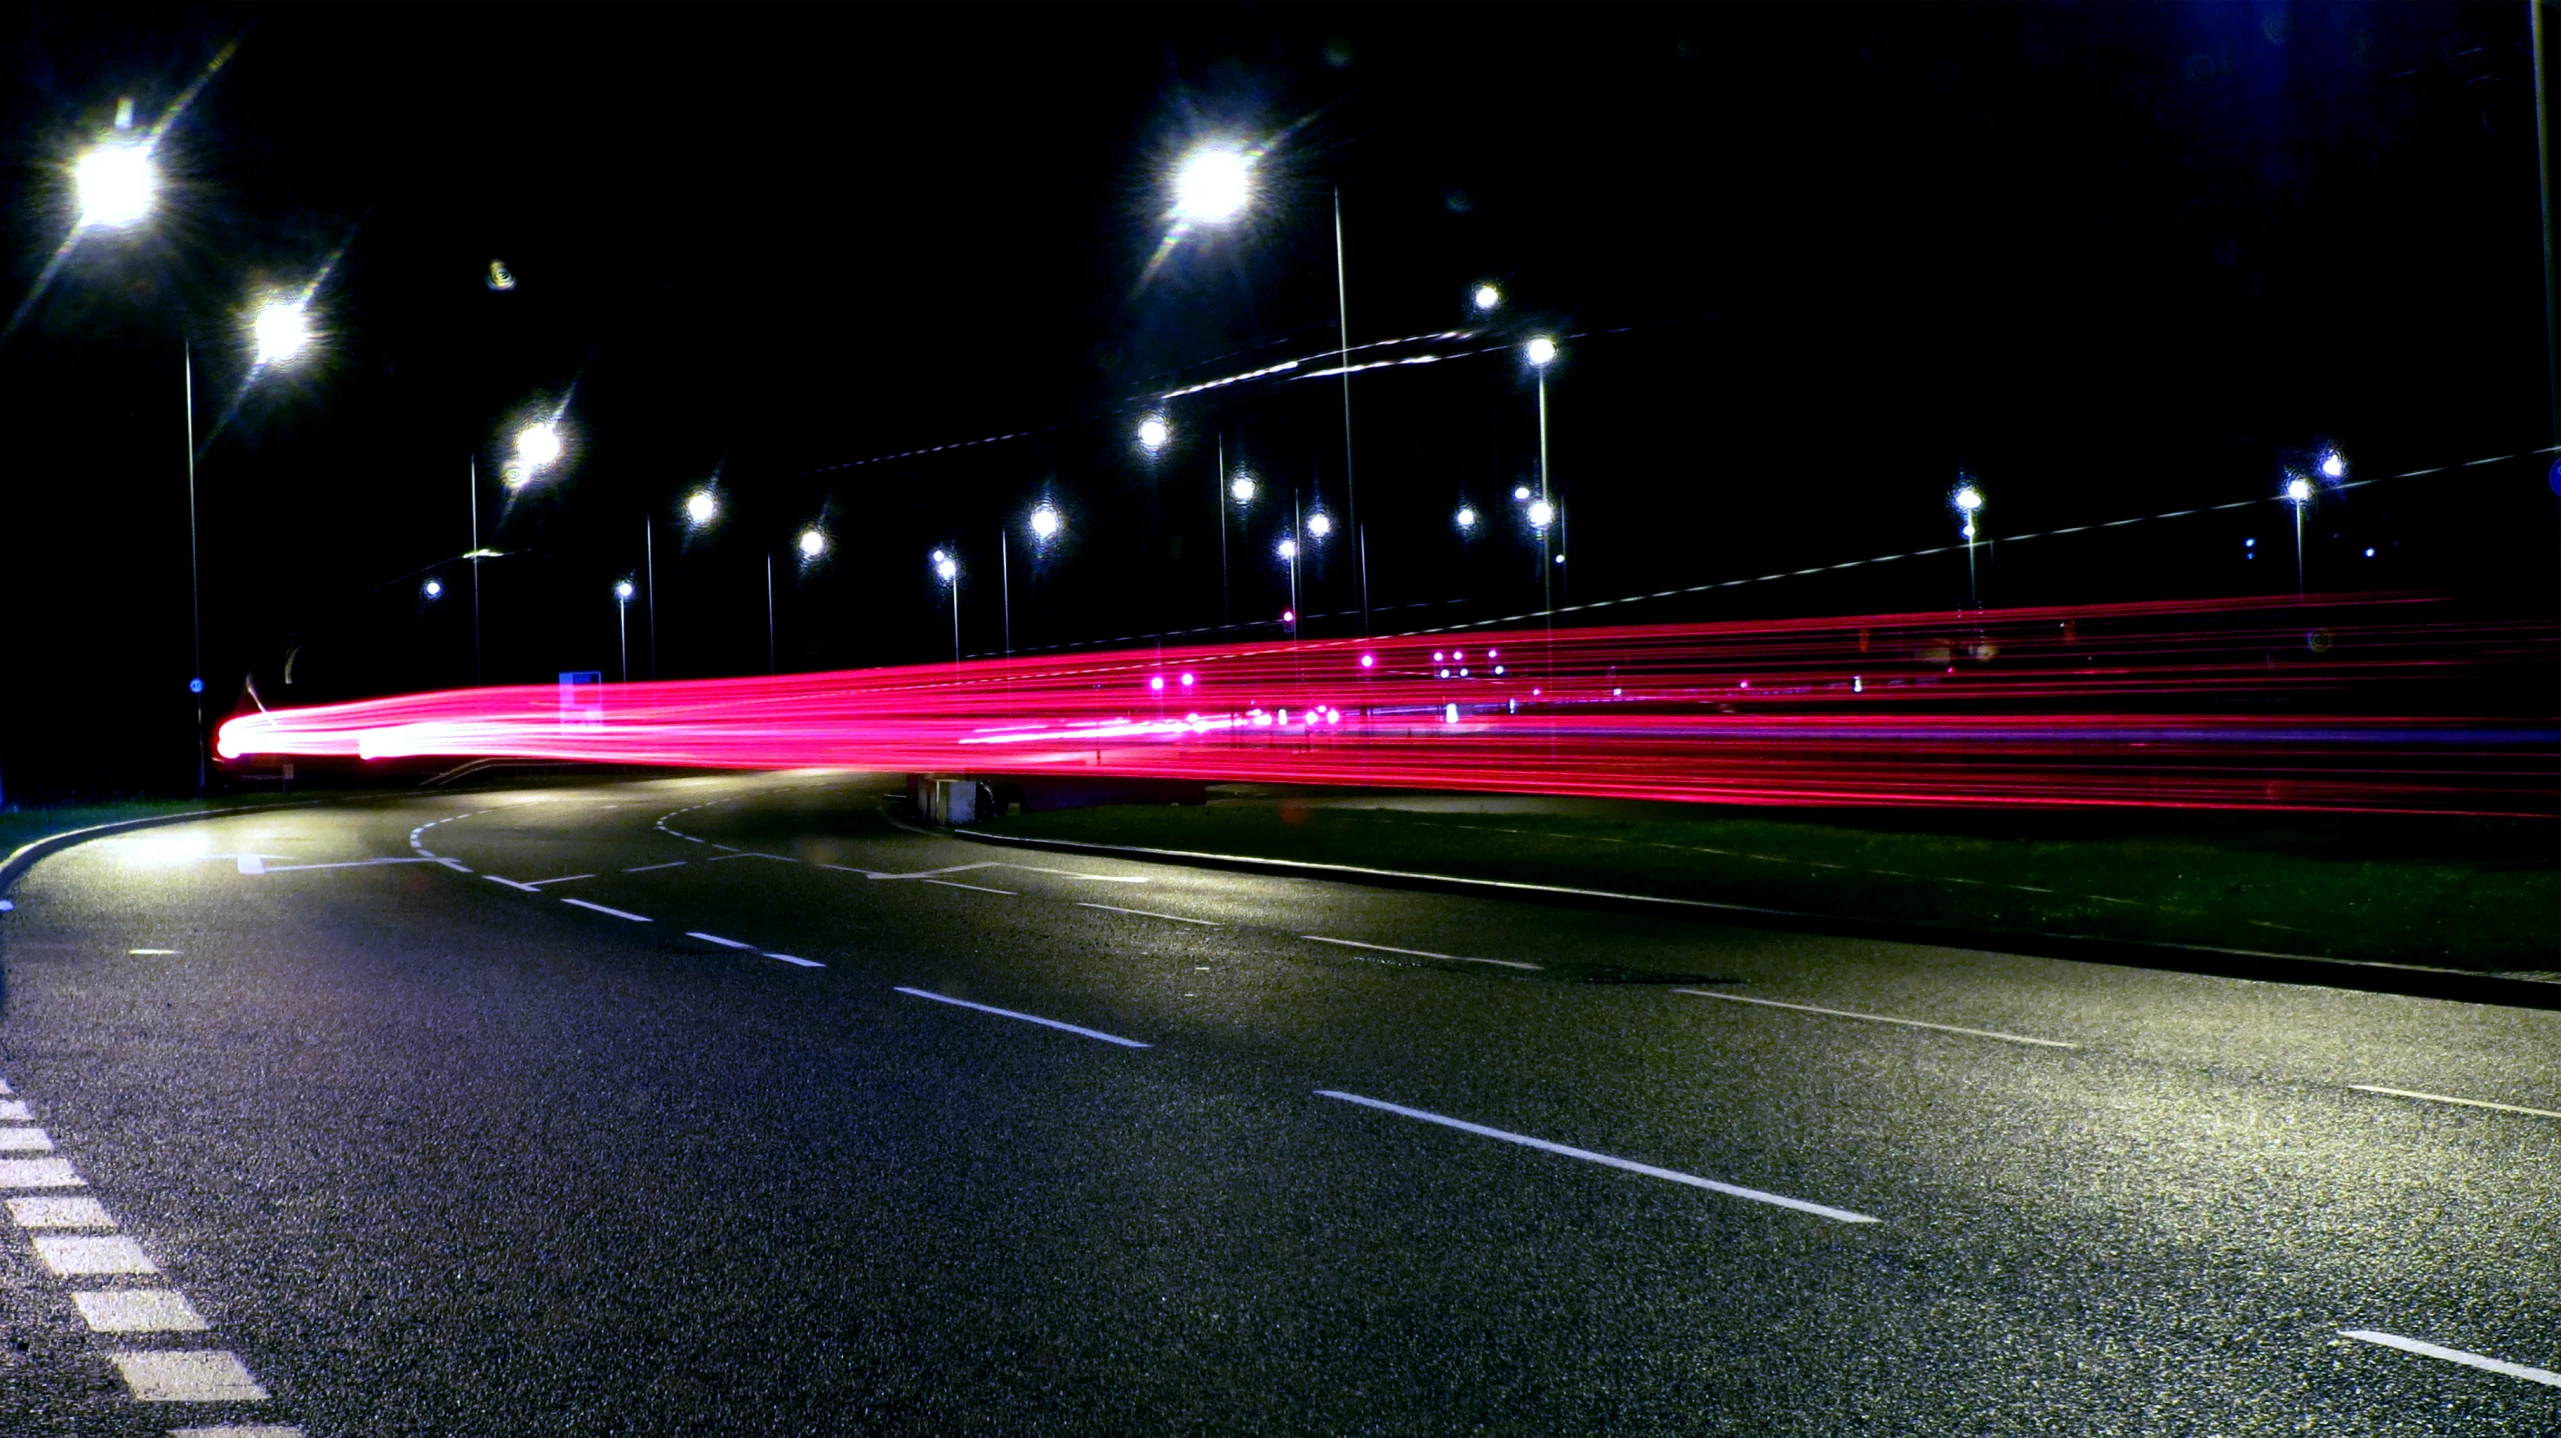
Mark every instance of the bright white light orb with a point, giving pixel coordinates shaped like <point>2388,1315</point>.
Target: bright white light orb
<point>537,445</point>
<point>700,507</point>
<point>1288,549</point>
<point>1541,351</point>
<point>623,589</point>
<point>1045,522</point>
<point>1519,492</point>
<point>940,556</point>
<point>1969,499</point>
<point>1156,681</point>
<point>1243,489</point>
<point>2334,466</point>
<point>1541,514</point>
<point>2298,489</point>
<point>117,183</point>
<point>1369,661</point>
<point>1488,298</point>
<point>947,569</point>
<point>434,587</point>
<point>1320,524</point>
<point>280,331</point>
<point>1213,184</point>
<point>1466,517</point>
<point>812,543</point>
<point>1153,432</point>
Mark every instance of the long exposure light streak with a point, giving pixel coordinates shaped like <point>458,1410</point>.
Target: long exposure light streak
<point>2371,703</point>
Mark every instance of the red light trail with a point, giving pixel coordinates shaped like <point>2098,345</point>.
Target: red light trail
<point>2342,703</point>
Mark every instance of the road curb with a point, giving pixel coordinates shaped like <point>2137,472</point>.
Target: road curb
<point>2408,979</point>
<point>26,855</point>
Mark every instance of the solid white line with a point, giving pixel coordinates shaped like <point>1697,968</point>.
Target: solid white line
<point>645,868</point>
<point>1882,1019</point>
<point>510,883</point>
<point>199,1376</point>
<point>151,951</point>
<point>563,879</point>
<point>138,1310</point>
<point>804,963</point>
<point>981,888</point>
<point>1026,1018</point>
<point>39,1173</point>
<point>1146,913</point>
<point>1417,953</point>
<point>454,865</point>
<point>717,939</point>
<point>1841,1215</point>
<point>2454,1355</point>
<point>617,913</point>
<point>349,864</point>
<point>251,863</point>
<point>1078,874</point>
<point>2466,1102</point>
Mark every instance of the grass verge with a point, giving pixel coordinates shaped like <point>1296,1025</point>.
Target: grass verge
<point>2483,897</point>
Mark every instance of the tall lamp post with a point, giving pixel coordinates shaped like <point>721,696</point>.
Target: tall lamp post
<point>1969,502</point>
<point>622,623</point>
<point>2298,492</point>
<point>947,569</point>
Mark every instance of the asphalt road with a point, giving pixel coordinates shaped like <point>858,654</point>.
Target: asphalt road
<point>646,1108</point>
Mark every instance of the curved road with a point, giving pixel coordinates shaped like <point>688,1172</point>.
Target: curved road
<point>729,1105</point>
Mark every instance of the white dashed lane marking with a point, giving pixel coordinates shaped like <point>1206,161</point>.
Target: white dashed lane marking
<point>39,1173</point>
<point>980,888</point>
<point>239,1430</point>
<point>13,1110</point>
<point>1839,1215</point>
<point>645,868</point>
<point>151,951</point>
<point>1026,1018</point>
<point>2544,1376</point>
<point>138,1310</point>
<point>804,963</point>
<point>1145,914</point>
<point>201,1376</point>
<point>59,1213</point>
<point>717,939</point>
<point>1882,1019</point>
<point>82,1256</point>
<point>617,913</point>
<point>25,1140</point>
<point>1416,953</point>
<point>2466,1102</point>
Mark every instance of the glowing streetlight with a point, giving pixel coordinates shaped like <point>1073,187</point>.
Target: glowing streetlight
<point>1541,514</point>
<point>1541,351</point>
<point>1320,524</point>
<point>1213,184</point>
<point>948,569</point>
<point>1153,432</point>
<point>813,543</point>
<point>1045,523</point>
<point>280,331</point>
<point>623,591</point>
<point>538,446</point>
<point>1488,299</point>
<point>1288,549</point>
<point>1969,502</point>
<point>433,588</point>
<point>1520,494</point>
<point>1466,519</point>
<point>1242,490</point>
<point>2298,492</point>
<point>701,508</point>
<point>2334,465</point>
<point>116,182</point>
<point>622,623</point>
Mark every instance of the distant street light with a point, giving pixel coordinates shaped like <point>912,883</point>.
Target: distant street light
<point>1243,489</point>
<point>2298,492</point>
<point>2334,465</point>
<point>1466,519</point>
<point>1213,184</point>
<point>813,543</point>
<point>701,508</point>
<point>538,446</point>
<point>433,588</point>
<point>1153,432</point>
<point>1320,524</point>
<point>947,569</point>
<point>1969,502</point>
<point>1541,514</point>
<point>117,182</point>
<point>1288,549</point>
<point>1045,523</point>
<point>1520,493</point>
<point>1488,299</point>
<point>281,330</point>
<point>622,625</point>
<point>1542,351</point>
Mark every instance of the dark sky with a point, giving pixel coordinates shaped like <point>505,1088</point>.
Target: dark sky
<point>1809,260</point>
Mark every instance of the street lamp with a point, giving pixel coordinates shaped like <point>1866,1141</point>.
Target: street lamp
<point>2298,492</point>
<point>1319,524</point>
<point>433,588</point>
<point>2334,465</point>
<point>280,331</point>
<point>947,569</point>
<point>1969,502</point>
<point>622,626</point>
<point>1153,432</point>
<point>116,180</point>
<point>1242,490</point>
<point>701,508</point>
<point>1213,184</point>
<point>813,543</point>
<point>1541,352</point>
<point>1488,299</point>
<point>1466,520</point>
<point>1288,551</point>
<point>1045,523</point>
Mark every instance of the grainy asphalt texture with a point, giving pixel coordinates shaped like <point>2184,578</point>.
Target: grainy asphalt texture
<point>434,1154</point>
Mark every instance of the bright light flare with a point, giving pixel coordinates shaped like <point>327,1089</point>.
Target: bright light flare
<point>701,507</point>
<point>1242,490</point>
<point>1288,549</point>
<point>1153,432</point>
<point>538,446</point>
<point>1541,351</point>
<point>813,543</point>
<point>1466,517</point>
<point>2334,465</point>
<point>432,588</point>
<point>1541,514</point>
<point>623,590</point>
<point>2299,490</point>
<point>1046,523</point>
<point>117,183</point>
<point>946,568</point>
<point>1520,493</point>
<point>280,331</point>
<point>1213,184</point>
<point>1320,524</point>
<point>1488,299</point>
<point>1969,499</point>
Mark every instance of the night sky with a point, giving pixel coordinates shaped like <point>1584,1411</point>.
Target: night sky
<point>1805,263</point>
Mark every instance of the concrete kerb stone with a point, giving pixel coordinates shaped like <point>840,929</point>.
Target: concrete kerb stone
<point>2407,979</point>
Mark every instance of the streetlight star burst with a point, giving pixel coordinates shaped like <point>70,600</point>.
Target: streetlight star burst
<point>537,445</point>
<point>700,507</point>
<point>1213,184</point>
<point>813,543</point>
<point>117,183</point>
<point>281,329</point>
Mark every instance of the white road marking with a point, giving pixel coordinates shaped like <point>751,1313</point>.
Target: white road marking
<point>71,1255</point>
<point>15,1110</point>
<point>25,1140</point>
<point>458,868</point>
<point>1026,1018</point>
<point>2444,1098</point>
<point>645,868</point>
<point>59,1213</point>
<point>785,858</point>
<point>251,864</point>
<point>804,963</point>
<point>1145,913</point>
<point>511,883</point>
<point>39,1173</point>
<point>151,951</point>
<point>1416,953</point>
<point>138,1310</point>
<point>4,1087</point>
<point>563,879</point>
<point>199,1376</point>
<point>981,888</point>
<point>1882,1019</point>
<point>348,864</point>
<point>617,913</point>
<point>1079,874</point>
<point>239,1430</point>
<point>717,939</point>
<point>2454,1355</point>
<point>1841,1215</point>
